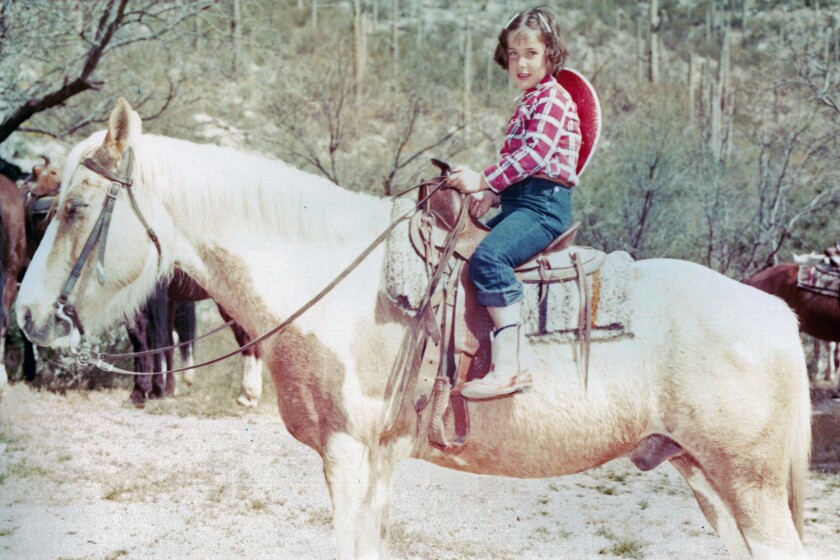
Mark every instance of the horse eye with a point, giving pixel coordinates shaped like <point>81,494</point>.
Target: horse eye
<point>74,205</point>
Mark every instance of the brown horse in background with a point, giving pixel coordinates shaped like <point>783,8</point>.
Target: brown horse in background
<point>168,318</point>
<point>27,202</point>
<point>819,315</point>
<point>12,256</point>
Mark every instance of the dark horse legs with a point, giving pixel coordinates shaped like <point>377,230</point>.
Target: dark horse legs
<point>150,330</point>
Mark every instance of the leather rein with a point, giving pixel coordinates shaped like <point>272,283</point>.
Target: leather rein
<point>65,310</point>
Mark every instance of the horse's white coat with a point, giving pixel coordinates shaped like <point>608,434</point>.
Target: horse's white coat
<point>714,364</point>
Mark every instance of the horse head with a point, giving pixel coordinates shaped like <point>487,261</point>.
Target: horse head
<point>73,280</point>
<point>47,179</point>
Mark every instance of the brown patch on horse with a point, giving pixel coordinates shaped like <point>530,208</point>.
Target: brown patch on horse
<point>308,376</point>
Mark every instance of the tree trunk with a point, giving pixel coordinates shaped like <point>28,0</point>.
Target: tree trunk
<point>236,36</point>
<point>360,58</point>
<point>653,45</point>
<point>692,61</point>
<point>395,40</point>
<point>745,15</point>
<point>197,34</point>
<point>715,116</point>
<point>313,16</point>
<point>640,49</point>
<point>468,71</point>
<point>419,26</point>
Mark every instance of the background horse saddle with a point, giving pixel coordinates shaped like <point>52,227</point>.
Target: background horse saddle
<point>822,279</point>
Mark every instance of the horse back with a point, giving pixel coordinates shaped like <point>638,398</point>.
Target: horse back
<point>778,280</point>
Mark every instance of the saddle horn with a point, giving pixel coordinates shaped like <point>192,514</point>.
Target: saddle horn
<point>443,165</point>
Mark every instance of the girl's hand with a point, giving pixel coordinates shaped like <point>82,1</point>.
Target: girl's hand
<point>467,181</point>
<point>481,202</point>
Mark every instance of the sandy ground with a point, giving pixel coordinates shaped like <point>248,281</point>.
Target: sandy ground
<point>85,476</point>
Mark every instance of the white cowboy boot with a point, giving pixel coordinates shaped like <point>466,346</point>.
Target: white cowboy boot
<point>504,377</point>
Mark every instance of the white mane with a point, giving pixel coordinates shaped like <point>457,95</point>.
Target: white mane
<point>209,184</point>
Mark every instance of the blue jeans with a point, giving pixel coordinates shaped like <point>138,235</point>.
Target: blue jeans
<point>534,212</point>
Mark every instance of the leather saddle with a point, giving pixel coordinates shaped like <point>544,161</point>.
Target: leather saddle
<point>459,334</point>
<point>39,211</point>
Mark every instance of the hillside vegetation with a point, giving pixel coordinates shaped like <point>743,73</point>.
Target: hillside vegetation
<point>720,116</point>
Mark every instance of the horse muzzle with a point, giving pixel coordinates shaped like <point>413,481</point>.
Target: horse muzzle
<point>55,330</point>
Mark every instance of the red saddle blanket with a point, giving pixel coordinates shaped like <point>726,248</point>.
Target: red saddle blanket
<point>822,278</point>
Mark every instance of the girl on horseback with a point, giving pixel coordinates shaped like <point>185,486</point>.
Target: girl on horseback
<point>533,181</point>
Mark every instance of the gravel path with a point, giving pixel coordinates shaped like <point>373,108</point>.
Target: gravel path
<point>84,476</point>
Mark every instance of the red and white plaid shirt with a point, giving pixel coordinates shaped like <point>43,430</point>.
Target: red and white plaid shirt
<point>543,137</point>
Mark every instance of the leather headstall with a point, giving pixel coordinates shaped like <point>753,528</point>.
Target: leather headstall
<point>64,309</point>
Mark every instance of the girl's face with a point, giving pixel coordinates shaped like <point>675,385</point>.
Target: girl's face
<point>526,59</point>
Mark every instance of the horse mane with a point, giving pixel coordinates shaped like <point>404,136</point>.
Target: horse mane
<point>208,184</point>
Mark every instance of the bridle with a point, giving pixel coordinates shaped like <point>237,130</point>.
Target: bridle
<point>64,310</point>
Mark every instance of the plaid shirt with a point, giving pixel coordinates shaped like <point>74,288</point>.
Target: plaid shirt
<point>543,137</point>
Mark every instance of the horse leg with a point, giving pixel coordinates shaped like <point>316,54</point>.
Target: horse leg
<point>158,387</point>
<point>815,375</point>
<point>29,361</point>
<point>251,390</point>
<point>4,377</point>
<point>184,329</point>
<point>169,355</point>
<point>169,362</point>
<point>158,379</point>
<point>752,517</point>
<point>829,360</point>
<point>713,506</point>
<point>359,481</point>
<point>142,388</point>
<point>142,383</point>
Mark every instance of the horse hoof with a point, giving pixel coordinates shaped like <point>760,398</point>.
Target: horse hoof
<point>246,401</point>
<point>138,399</point>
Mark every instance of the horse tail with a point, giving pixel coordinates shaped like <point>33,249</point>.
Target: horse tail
<point>800,447</point>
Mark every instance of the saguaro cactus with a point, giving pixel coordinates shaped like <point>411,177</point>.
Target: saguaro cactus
<point>653,41</point>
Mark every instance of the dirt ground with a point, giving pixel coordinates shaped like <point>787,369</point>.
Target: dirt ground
<point>85,476</point>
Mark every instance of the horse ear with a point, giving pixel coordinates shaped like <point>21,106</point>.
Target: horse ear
<point>124,127</point>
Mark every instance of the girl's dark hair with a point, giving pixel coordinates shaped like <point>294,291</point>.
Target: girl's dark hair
<point>543,22</point>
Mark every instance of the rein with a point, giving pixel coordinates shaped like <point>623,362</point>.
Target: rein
<point>86,357</point>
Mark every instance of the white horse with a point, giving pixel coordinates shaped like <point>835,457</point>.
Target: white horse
<point>714,365</point>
